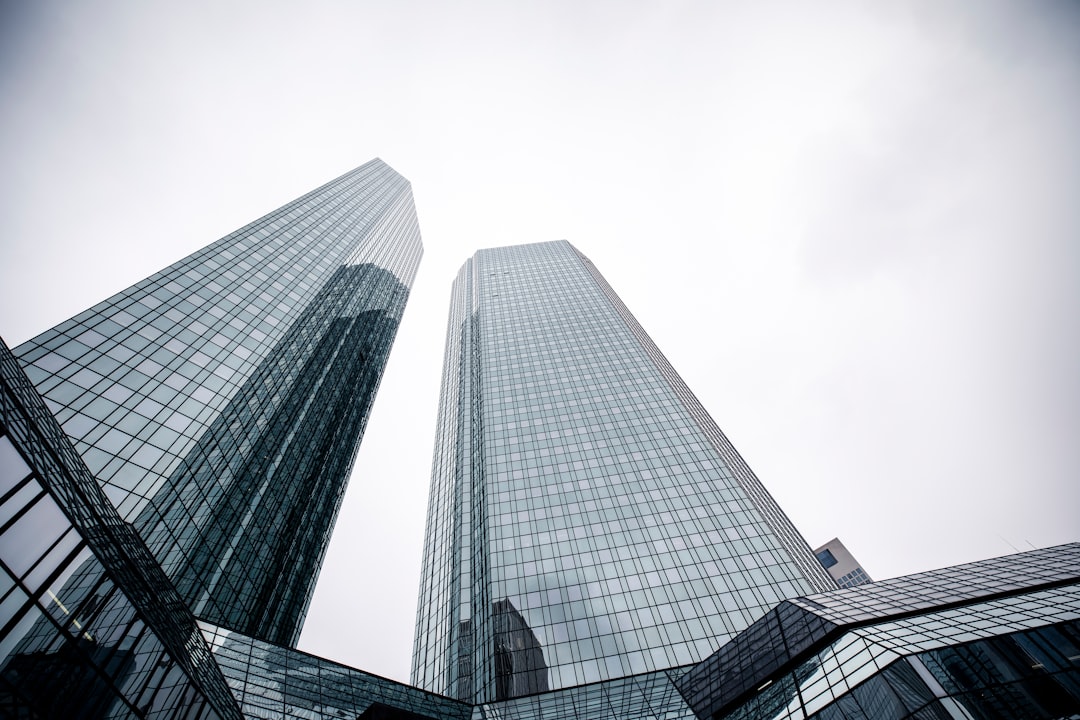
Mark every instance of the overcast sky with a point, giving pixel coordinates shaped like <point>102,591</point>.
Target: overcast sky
<point>853,227</point>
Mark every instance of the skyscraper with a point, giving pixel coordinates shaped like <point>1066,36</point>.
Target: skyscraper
<point>220,402</point>
<point>596,548</point>
<point>587,519</point>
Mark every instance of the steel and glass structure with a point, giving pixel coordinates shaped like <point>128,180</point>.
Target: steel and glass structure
<point>172,461</point>
<point>587,519</point>
<point>89,624</point>
<point>220,402</point>
<point>993,639</point>
<point>998,638</point>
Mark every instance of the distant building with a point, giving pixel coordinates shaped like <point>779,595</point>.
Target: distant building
<point>842,566</point>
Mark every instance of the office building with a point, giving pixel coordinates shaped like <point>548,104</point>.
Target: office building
<point>841,564</point>
<point>181,449</point>
<point>999,638</point>
<point>597,548</point>
<point>581,495</point>
<point>91,627</point>
<point>220,402</point>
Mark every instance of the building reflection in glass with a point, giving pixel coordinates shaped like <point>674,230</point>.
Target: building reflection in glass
<point>243,523</point>
<point>89,625</point>
<point>519,657</point>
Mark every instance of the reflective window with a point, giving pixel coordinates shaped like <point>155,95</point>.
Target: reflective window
<point>826,557</point>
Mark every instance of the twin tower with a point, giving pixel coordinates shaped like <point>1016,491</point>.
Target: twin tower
<point>174,460</point>
<point>587,519</point>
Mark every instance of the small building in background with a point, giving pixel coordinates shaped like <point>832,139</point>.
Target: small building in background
<point>843,568</point>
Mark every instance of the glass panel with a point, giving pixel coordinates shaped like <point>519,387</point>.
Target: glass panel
<point>25,541</point>
<point>12,467</point>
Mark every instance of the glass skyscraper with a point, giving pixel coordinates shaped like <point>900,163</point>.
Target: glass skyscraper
<point>172,461</point>
<point>587,519</point>
<point>221,401</point>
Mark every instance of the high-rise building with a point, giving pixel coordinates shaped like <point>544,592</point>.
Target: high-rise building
<point>220,402</point>
<point>596,549</point>
<point>587,518</point>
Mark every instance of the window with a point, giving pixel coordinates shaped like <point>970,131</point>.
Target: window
<point>826,558</point>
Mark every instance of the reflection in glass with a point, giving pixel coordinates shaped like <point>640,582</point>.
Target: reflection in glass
<point>1028,674</point>
<point>271,681</point>
<point>519,658</point>
<point>243,523</point>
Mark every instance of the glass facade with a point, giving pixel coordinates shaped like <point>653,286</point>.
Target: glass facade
<point>587,519</point>
<point>89,625</point>
<point>271,681</point>
<point>220,402</point>
<point>180,450</point>
<point>648,696</point>
<point>994,639</point>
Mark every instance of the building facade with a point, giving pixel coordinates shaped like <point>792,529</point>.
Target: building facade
<point>172,460</point>
<point>220,402</point>
<point>90,627</point>
<point>993,639</point>
<point>581,495</point>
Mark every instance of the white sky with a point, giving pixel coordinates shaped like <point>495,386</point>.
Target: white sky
<point>853,227</point>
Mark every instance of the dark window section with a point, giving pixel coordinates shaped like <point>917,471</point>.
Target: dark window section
<point>827,558</point>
